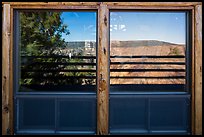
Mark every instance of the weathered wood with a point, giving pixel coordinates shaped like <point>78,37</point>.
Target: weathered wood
<point>5,70</point>
<point>57,7</point>
<point>11,114</point>
<point>193,77</point>
<point>177,4</point>
<point>52,3</point>
<point>198,70</point>
<point>102,79</point>
<point>156,7</point>
<point>108,3</point>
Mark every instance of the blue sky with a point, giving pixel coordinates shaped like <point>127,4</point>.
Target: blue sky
<point>164,26</point>
<point>82,25</point>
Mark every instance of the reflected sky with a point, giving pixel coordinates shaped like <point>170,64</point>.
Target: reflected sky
<point>163,26</point>
<point>82,25</point>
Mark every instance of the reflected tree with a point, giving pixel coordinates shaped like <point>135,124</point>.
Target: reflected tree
<point>41,35</point>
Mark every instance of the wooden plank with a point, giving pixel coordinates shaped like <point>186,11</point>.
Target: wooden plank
<point>156,7</point>
<point>108,3</point>
<point>102,79</point>
<point>52,3</point>
<point>56,7</point>
<point>152,3</point>
<point>142,5</point>
<point>193,77</point>
<point>11,101</point>
<point>6,110</point>
<point>198,70</point>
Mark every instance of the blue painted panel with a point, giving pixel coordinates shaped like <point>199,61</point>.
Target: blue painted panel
<point>169,114</point>
<point>128,113</point>
<point>56,114</point>
<point>36,113</point>
<point>159,114</point>
<point>77,114</point>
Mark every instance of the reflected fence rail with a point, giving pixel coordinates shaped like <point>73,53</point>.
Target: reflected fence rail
<point>87,65</point>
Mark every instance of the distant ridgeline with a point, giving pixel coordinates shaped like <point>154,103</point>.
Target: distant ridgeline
<point>88,48</point>
<point>83,48</point>
<point>140,43</point>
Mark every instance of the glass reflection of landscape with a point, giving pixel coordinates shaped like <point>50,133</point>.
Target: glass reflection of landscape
<point>147,47</point>
<point>57,49</point>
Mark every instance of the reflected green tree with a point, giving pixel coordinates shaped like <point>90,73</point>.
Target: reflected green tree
<point>41,35</point>
<point>41,32</point>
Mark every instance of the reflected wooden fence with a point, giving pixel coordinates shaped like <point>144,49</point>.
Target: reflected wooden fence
<point>87,65</point>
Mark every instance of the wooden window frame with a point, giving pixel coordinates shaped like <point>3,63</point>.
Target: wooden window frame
<point>103,55</point>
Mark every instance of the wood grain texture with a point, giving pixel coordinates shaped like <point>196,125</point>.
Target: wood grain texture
<point>6,31</point>
<point>193,75</point>
<point>198,69</point>
<point>52,3</point>
<point>177,4</point>
<point>161,4</point>
<point>108,3</point>
<point>103,79</point>
<point>156,7</point>
<point>55,7</point>
<point>11,100</point>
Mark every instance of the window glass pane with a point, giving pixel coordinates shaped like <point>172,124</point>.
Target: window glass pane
<point>57,50</point>
<point>147,47</point>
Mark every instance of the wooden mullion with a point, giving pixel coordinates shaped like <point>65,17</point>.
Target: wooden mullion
<point>103,71</point>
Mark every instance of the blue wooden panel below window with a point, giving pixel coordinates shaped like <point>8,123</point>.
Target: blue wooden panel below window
<point>55,114</point>
<point>36,114</point>
<point>149,114</point>
<point>77,114</point>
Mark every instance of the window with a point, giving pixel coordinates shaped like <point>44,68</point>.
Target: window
<point>57,50</point>
<point>117,112</point>
<point>55,71</point>
<point>148,49</point>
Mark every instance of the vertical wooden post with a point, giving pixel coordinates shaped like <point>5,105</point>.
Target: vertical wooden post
<point>193,74</point>
<point>103,71</point>
<point>6,106</point>
<point>198,70</point>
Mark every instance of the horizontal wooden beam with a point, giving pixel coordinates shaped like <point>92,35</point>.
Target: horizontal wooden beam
<point>107,3</point>
<point>156,7</point>
<point>52,3</point>
<point>177,4</point>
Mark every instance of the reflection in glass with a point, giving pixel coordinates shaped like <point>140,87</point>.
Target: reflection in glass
<point>57,50</point>
<point>147,47</point>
